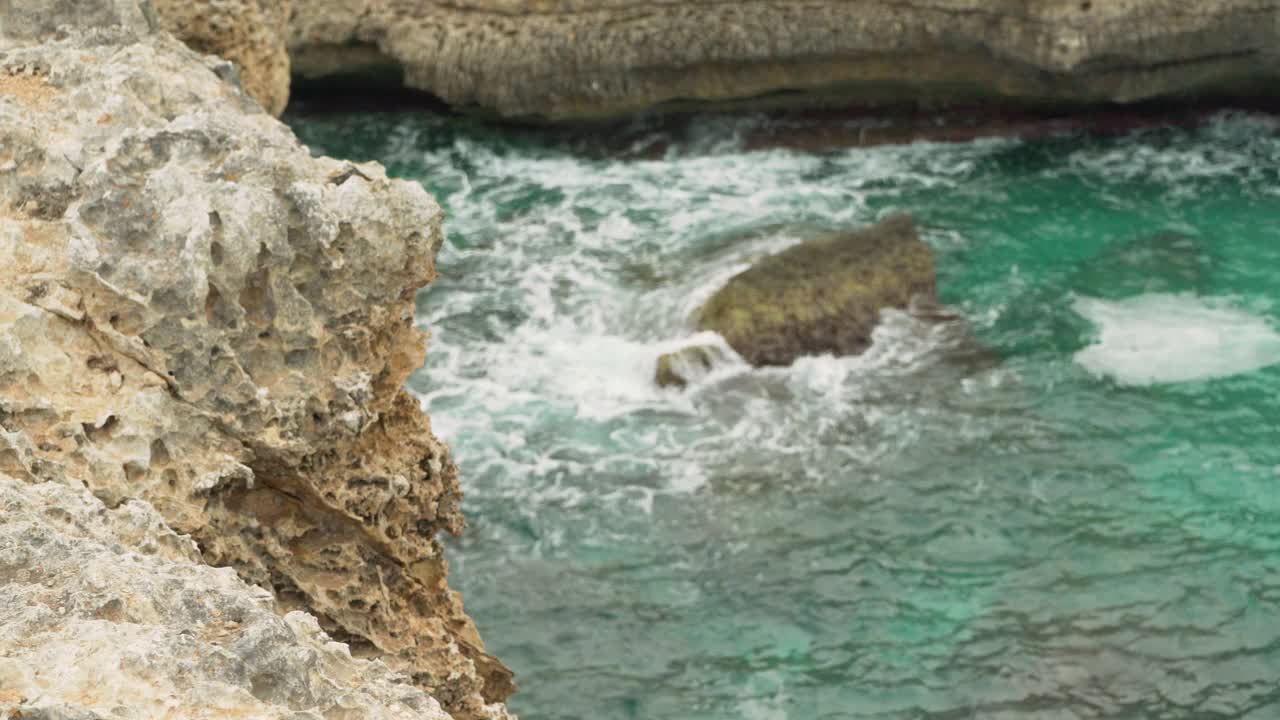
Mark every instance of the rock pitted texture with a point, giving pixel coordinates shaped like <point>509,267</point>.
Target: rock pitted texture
<point>198,315</point>
<point>822,296</point>
<point>563,59</point>
<point>107,613</point>
<point>249,33</point>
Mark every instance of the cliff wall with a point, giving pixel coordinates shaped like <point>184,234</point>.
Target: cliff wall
<point>574,59</point>
<point>204,333</point>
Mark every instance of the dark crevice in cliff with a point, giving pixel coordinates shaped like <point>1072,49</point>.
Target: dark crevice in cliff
<point>1116,65</point>
<point>320,96</point>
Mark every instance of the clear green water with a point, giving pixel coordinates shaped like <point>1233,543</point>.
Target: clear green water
<point>891,536</point>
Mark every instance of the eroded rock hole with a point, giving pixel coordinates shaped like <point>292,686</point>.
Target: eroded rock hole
<point>257,299</point>
<point>264,686</point>
<point>129,323</point>
<point>346,234</point>
<point>134,472</point>
<point>103,430</point>
<point>159,452</point>
<point>299,358</point>
<point>102,363</point>
<point>215,247</point>
<point>212,301</point>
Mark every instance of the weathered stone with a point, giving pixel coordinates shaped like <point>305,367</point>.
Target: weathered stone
<point>32,21</point>
<point>249,33</point>
<point>822,296</point>
<point>563,59</point>
<point>108,613</point>
<point>680,367</point>
<point>198,315</point>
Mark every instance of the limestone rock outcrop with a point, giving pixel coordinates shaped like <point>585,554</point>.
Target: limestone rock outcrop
<point>199,316</point>
<point>565,59</point>
<point>108,613</point>
<point>251,34</point>
<point>824,295</point>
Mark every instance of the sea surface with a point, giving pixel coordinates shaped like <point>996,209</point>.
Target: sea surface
<point>1082,523</point>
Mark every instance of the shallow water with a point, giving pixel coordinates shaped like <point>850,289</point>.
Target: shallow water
<point>1088,528</point>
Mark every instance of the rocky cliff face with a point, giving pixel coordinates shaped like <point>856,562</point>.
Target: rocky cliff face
<point>249,33</point>
<point>196,316</point>
<point>107,613</point>
<point>589,58</point>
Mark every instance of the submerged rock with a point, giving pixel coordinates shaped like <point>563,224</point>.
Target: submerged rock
<point>954,343</point>
<point>1160,263</point>
<point>198,316</point>
<point>592,58</point>
<point>822,296</point>
<point>249,33</point>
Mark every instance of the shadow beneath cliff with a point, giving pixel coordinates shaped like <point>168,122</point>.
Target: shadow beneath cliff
<point>674,132</point>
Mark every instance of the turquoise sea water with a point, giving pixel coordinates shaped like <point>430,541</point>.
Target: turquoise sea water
<point>1088,528</point>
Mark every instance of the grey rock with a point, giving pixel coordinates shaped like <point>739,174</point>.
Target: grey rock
<point>33,21</point>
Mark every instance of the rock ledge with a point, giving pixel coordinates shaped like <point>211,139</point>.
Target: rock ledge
<point>576,59</point>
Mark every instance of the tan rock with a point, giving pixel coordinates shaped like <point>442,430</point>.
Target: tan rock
<point>249,33</point>
<point>197,315</point>
<point>563,59</point>
<point>109,608</point>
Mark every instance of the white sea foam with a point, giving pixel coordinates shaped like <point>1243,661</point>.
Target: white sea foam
<point>602,375</point>
<point>564,278</point>
<point>1161,338</point>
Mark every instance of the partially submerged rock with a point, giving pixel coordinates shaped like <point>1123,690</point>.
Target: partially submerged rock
<point>249,33</point>
<point>822,296</point>
<point>680,367</point>
<point>574,59</point>
<point>196,315</point>
<point>953,341</point>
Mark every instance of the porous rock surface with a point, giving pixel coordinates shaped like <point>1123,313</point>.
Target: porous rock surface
<point>108,613</point>
<point>249,33</point>
<point>562,59</point>
<point>199,317</point>
<point>823,296</point>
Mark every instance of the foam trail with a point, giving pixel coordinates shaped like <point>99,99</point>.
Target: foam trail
<point>1162,338</point>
